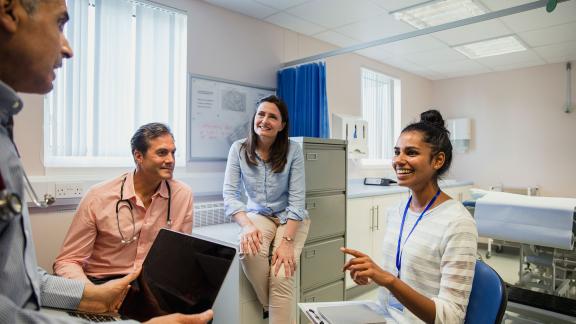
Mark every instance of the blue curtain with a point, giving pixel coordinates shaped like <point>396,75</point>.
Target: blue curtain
<point>303,89</point>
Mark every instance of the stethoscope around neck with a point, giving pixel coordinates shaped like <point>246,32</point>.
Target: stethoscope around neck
<point>126,202</point>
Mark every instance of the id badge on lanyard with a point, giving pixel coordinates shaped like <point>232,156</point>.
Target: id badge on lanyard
<point>393,301</point>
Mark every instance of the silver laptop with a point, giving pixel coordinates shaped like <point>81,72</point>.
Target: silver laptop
<point>351,314</point>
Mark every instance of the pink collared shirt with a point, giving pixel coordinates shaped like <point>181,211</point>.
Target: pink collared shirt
<point>93,246</point>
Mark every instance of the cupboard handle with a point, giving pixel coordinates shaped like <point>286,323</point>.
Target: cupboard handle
<point>310,254</point>
<point>377,217</point>
<point>312,156</point>
<point>311,204</point>
<point>372,218</point>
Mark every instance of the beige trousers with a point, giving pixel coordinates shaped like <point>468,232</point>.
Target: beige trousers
<point>276,293</point>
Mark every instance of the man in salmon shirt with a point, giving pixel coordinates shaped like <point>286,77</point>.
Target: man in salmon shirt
<point>117,221</point>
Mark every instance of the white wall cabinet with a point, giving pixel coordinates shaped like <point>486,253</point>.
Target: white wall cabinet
<point>460,193</point>
<point>365,222</point>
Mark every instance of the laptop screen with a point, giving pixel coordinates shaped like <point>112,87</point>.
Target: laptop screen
<point>181,274</point>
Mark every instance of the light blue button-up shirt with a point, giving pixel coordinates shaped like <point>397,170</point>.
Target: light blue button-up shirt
<point>24,286</point>
<point>269,193</point>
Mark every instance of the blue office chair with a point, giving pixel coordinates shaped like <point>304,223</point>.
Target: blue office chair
<point>488,298</point>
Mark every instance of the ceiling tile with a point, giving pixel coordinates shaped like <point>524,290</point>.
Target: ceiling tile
<point>511,58</point>
<point>435,57</point>
<point>471,33</point>
<point>561,59</point>
<point>465,67</point>
<point>375,28</point>
<point>294,23</point>
<point>335,38</point>
<point>517,65</point>
<point>335,13</point>
<point>538,18</point>
<point>247,7</point>
<point>407,66</point>
<point>375,52</point>
<point>550,35</point>
<point>495,5</point>
<point>391,5</point>
<point>282,4</point>
<point>415,44</point>
<point>557,50</point>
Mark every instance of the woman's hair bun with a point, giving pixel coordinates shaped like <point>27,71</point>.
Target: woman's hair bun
<point>434,117</point>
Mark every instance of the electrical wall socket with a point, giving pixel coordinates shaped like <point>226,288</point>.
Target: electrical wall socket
<point>68,190</point>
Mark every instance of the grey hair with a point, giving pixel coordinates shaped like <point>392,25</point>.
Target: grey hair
<point>141,139</point>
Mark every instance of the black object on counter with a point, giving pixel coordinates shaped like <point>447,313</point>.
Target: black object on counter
<point>378,181</point>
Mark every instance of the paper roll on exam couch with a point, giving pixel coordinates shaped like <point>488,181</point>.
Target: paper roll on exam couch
<point>544,221</point>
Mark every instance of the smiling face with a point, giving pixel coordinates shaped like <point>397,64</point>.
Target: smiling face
<point>413,161</point>
<point>268,121</point>
<point>36,44</point>
<point>158,162</point>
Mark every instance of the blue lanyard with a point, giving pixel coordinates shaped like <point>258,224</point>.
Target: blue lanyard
<point>398,249</point>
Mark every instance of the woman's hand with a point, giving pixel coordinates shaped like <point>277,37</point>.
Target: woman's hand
<point>363,269</point>
<point>284,255</point>
<point>250,239</point>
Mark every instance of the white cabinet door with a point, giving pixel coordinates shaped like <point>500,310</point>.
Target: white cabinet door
<point>382,203</point>
<point>358,228</point>
<point>459,193</point>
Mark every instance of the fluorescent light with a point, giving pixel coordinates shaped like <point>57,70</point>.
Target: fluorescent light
<point>434,13</point>
<point>491,47</point>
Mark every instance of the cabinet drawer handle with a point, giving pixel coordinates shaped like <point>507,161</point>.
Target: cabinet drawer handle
<point>311,204</point>
<point>310,299</point>
<point>310,254</point>
<point>377,217</point>
<point>312,156</point>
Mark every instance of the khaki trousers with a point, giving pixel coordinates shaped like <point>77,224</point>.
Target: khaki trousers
<point>276,293</point>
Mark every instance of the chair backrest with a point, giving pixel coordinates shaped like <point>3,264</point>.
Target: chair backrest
<point>488,298</point>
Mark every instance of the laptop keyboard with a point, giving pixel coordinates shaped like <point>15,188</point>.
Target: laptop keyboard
<point>96,318</point>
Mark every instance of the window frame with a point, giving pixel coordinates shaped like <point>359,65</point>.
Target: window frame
<point>85,162</point>
<point>395,100</point>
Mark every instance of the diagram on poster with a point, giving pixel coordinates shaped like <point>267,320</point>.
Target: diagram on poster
<point>220,112</point>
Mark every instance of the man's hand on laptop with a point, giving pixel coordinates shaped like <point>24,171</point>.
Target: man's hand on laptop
<point>201,318</point>
<point>107,297</point>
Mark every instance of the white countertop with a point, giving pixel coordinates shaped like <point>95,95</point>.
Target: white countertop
<point>357,189</point>
<point>227,232</point>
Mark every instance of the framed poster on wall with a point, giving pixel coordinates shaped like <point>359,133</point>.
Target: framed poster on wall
<point>219,113</point>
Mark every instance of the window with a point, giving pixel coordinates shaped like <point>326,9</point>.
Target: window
<point>381,108</point>
<point>129,69</point>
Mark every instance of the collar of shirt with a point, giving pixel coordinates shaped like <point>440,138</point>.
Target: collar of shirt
<point>10,103</point>
<point>130,192</point>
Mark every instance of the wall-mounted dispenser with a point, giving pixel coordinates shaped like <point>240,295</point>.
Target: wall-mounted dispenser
<point>460,133</point>
<point>355,131</point>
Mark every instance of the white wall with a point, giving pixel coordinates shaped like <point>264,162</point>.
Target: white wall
<point>521,135</point>
<point>344,96</point>
<point>226,45</point>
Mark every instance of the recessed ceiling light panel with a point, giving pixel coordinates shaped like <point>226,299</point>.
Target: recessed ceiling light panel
<point>434,13</point>
<point>491,47</point>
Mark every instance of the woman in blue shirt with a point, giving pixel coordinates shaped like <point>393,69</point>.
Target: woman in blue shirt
<point>270,168</point>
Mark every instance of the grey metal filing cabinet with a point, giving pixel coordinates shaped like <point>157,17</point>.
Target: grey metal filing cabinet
<point>321,277</point>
